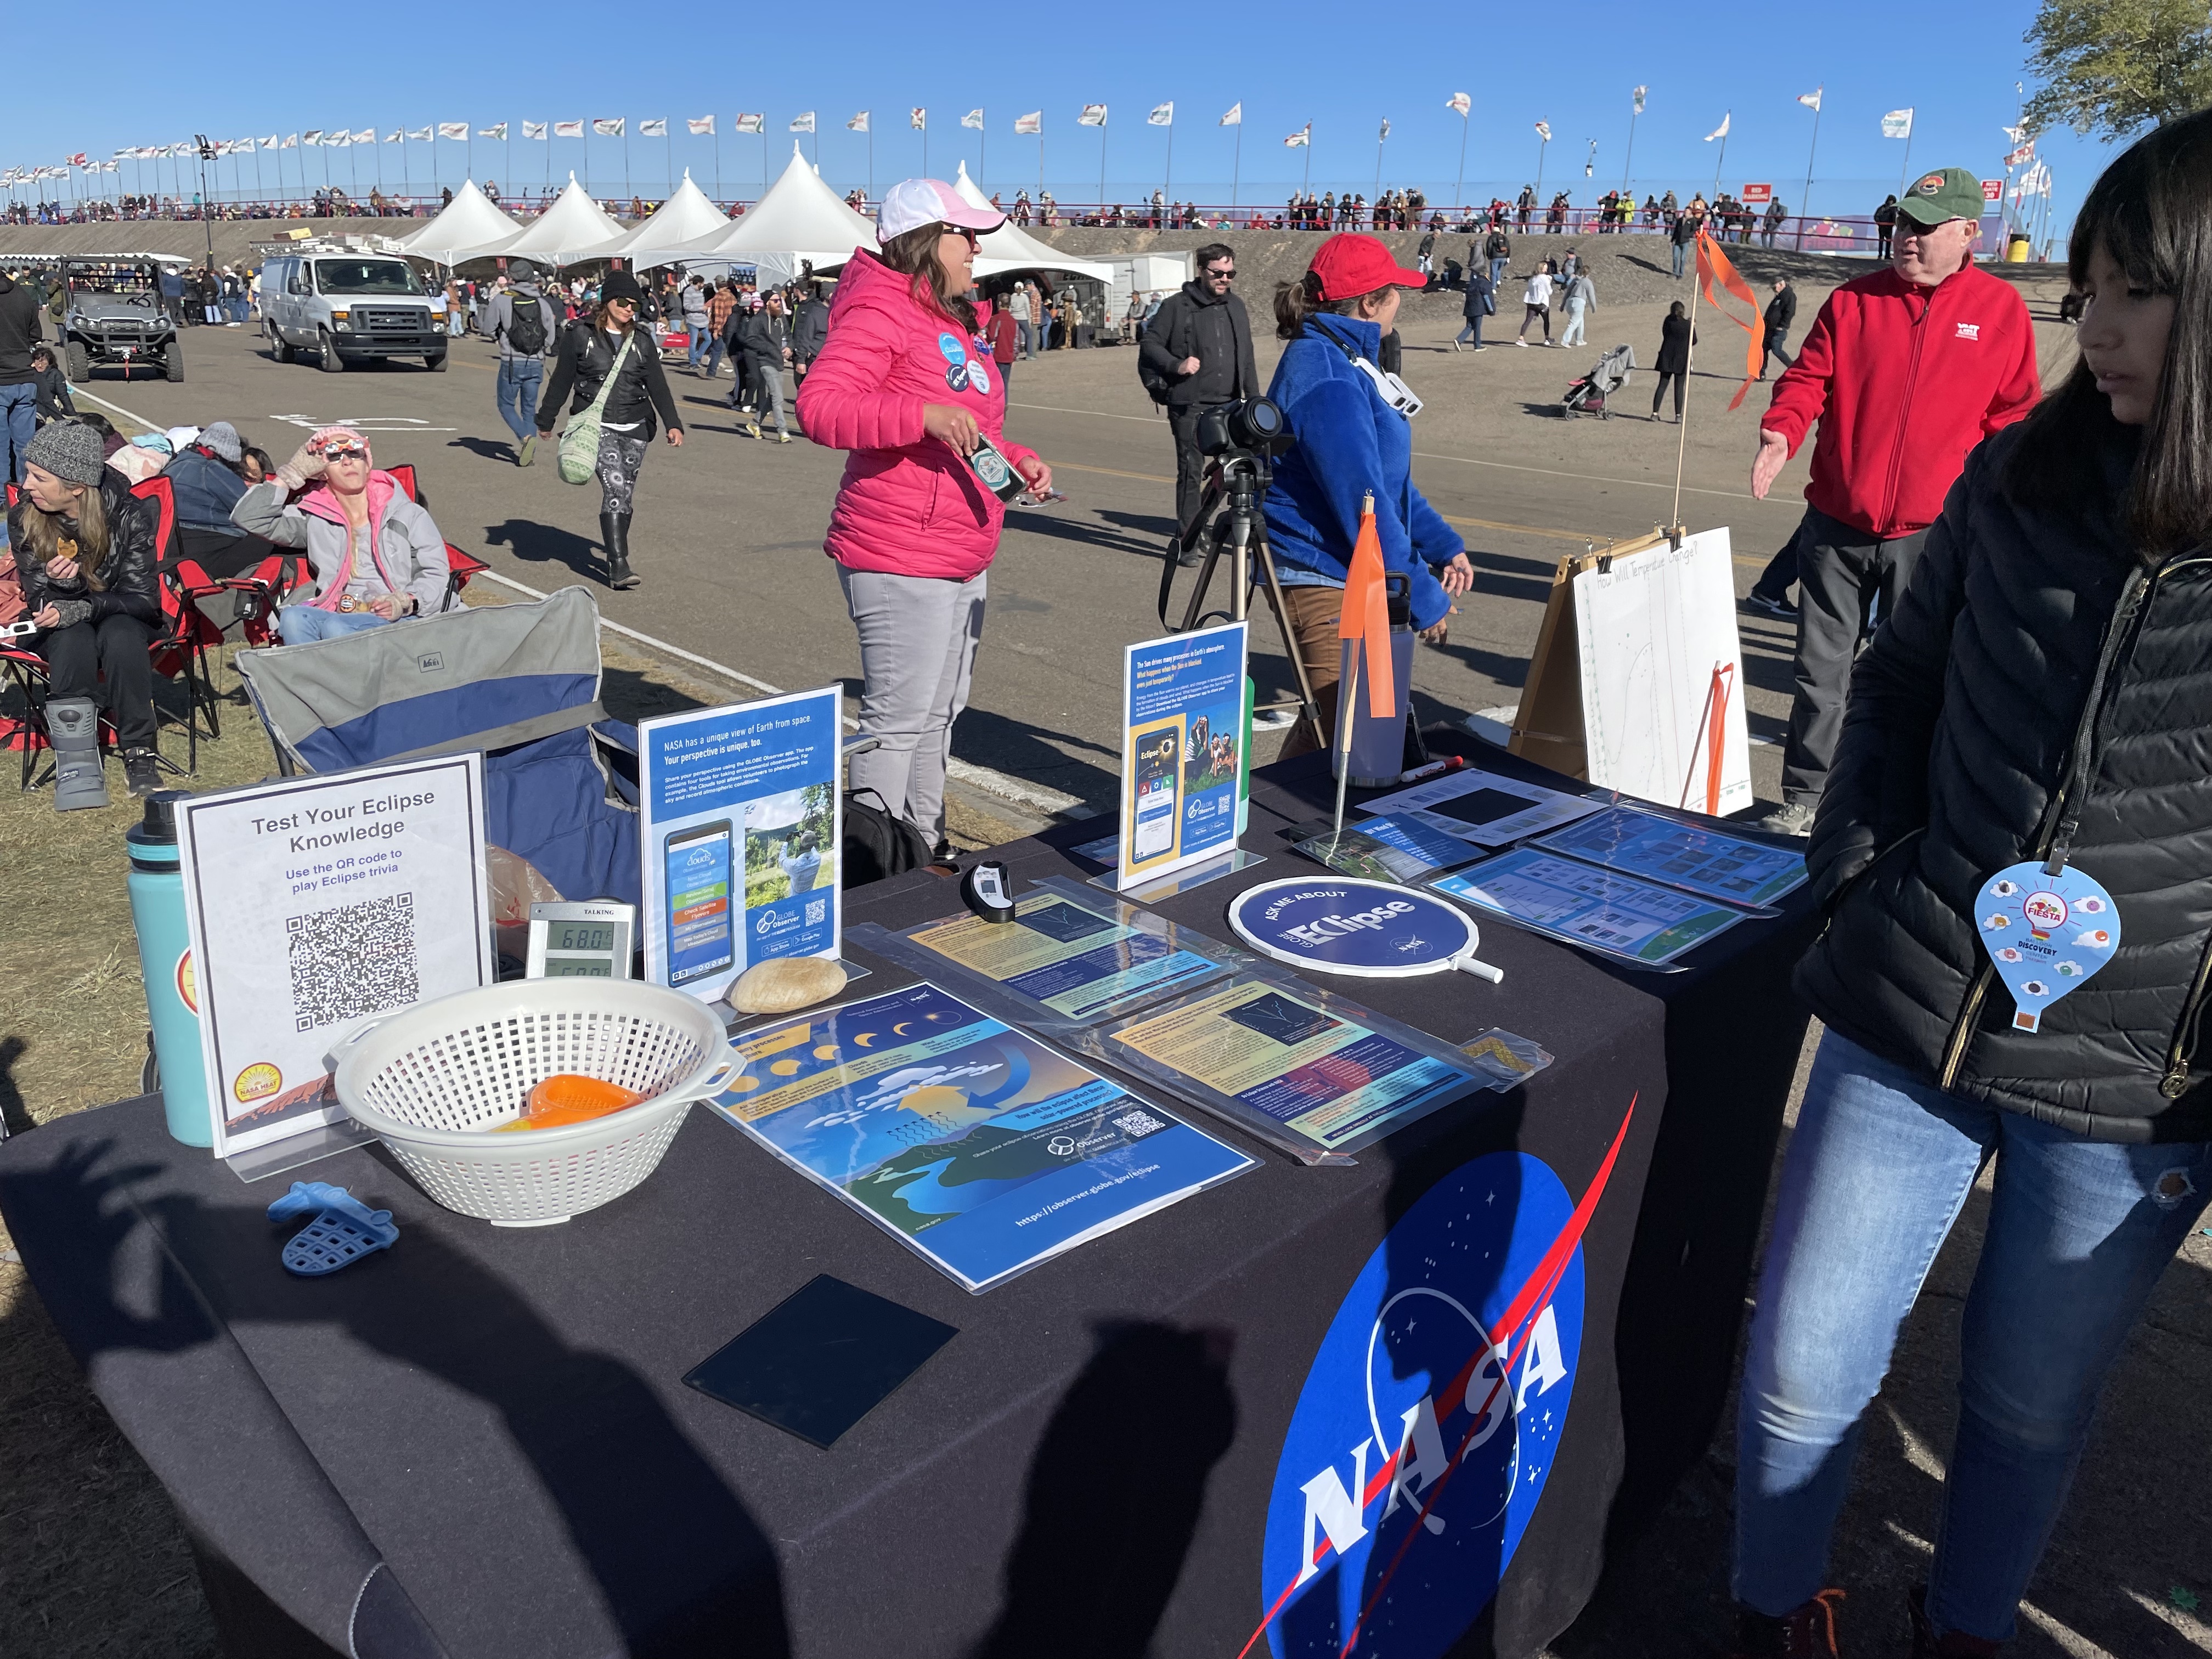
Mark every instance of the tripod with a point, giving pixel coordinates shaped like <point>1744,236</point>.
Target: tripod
<point>1229,520</point>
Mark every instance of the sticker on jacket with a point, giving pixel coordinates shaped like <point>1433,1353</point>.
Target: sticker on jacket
<point>2046,935</point>
<point>955,353</point>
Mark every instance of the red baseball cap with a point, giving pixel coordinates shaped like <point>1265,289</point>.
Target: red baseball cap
<point>1351,265</point>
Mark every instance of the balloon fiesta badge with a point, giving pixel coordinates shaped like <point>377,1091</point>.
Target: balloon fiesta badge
<point>2046,935</point>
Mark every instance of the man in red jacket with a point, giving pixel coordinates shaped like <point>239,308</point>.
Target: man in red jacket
<point>1905,371</point>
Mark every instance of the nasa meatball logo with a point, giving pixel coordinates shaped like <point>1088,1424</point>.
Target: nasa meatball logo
<point>1431,1417</point>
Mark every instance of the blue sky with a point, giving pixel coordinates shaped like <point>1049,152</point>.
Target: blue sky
<point>1572,66</point>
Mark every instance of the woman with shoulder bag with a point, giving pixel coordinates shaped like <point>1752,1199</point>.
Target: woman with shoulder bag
<point>2020,808</point>
<point>614,369</point>
<point>1353,426</point>
<point>905,382</point>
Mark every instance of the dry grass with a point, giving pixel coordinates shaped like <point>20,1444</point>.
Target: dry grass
<point>92,1561</point>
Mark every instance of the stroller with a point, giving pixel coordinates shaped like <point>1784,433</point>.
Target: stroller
<point>1587,396</point>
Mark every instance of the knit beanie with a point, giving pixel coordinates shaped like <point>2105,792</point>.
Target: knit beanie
<point>70,450</point>
<point>222,439</point>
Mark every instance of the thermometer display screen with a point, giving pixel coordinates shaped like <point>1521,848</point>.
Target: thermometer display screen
<point>581,936</point>
<point>579,968</point>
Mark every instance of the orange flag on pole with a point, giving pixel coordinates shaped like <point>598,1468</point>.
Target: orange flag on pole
<point>1366,614</point>
<point>1713,266</point>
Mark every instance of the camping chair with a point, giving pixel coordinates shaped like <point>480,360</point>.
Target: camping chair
<point>518,682</point>
<point>178,651</point>
<point>459,565</point>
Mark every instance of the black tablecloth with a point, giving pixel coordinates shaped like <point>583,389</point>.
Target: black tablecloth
<point>477,1442</point>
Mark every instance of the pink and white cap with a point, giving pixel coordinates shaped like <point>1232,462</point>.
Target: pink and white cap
<point>913,203</point>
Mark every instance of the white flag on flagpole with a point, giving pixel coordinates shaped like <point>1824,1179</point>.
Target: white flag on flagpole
<point>1636,98</point>
<point>608,126</point>
<point>700,124</point>
<point>498,132</point>
<point>1094,115</point>
<point>291,142</point>
<point>744,123</point>
<point>918,120</point>
<point>859,123</point>
<point>339,140</point>
<point>656,128</point>
<point>1544,131</point>
<point>533,130</point>
<point>452,129</point>
<point>568,128</point>
<point>1459,104</point>
<point>1812,100</point>
<point>313,138</point>
<point>269,142</point>
<point>2013,134</point>
<point>803,123</point>
<point>1898,124</point>
<point>1385,133</point>
<point>1033,122</point>
<point>1163,115</point>
<point>974,118</point>
<point>1721,131</point>
<point>396,136</point>
<point>421,136</point>
<point>1236,116</point>
<point>1304,135</point>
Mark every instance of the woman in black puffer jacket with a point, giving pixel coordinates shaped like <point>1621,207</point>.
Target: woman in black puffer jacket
<point>2042,694</point>
<point>611,341</point>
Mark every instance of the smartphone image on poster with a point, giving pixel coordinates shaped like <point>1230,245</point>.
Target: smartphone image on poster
<point>1159,778</point>
<point>700,936</point>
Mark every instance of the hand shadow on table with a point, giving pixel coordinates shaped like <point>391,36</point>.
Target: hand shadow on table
<point>649,1517</point>
<point>1115,1494</point>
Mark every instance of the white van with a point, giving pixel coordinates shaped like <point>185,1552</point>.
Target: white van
<point>351,307</point>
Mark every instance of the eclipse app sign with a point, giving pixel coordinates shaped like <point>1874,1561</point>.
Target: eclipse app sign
<point>1429,1421</point>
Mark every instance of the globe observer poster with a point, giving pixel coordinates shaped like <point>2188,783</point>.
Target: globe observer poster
<point>1431,1417</point>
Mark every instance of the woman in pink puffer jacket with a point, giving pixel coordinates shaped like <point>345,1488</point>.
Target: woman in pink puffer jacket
<point>906,382</point>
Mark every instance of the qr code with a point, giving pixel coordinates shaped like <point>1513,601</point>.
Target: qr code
<point>352,960</point>
<point>1138,1124</point>
<point>816,911</point>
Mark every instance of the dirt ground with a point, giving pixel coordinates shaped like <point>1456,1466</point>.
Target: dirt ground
<point>728,539</point>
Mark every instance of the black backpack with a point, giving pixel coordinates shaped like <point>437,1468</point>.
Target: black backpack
<point>878,841</point>
<point>525,325</point>
<point>1156,385</point>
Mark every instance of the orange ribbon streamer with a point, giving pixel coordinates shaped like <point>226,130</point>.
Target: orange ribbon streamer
<point>1366,616</point>
<point>1712,264</point>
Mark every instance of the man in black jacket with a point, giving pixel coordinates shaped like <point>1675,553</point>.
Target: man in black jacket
<point>764,336</point>
<point>1781,317</point>
<point>1196,355</point>
<point>20,330</point>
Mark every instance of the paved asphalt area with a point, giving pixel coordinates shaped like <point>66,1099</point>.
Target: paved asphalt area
<point>728,531</point>
<point>728,538</point>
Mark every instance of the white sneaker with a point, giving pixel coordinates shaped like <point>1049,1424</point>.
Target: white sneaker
<point>1523,345</point>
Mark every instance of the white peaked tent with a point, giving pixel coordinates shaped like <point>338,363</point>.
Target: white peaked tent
<point>683,219</point>
<point>573,227</point>
<point>468,227</point>
<point>1011,248</point>
<point>799,219</point>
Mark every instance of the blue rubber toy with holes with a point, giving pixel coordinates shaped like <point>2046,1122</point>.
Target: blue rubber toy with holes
<point>345,1229</point>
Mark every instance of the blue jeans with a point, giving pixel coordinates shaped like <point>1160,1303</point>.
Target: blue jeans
<point>1878,1169</point>
<point>1497,270</point>
<point>516,388</point>
<point>1681,253</point>
<point>714,351</point>
<point>1028,332</point>
<point>303,624</point>
<point>1472,331</point>
<point>19,419</point>
<point>699,332</point>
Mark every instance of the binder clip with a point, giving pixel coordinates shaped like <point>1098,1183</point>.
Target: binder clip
<point>344,1231</point>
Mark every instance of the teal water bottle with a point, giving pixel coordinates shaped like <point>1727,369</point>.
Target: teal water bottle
<point>165,961</point>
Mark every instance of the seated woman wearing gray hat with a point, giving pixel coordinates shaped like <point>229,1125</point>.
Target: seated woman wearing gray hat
<point>376,555</point>
<point>84,552</point>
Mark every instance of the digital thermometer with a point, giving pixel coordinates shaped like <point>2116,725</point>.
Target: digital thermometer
<point>591,940</point>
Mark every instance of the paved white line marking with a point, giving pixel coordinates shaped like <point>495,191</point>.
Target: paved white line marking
<point>1021,793</point>
<point>1035,796</point>
<point>128,415</point>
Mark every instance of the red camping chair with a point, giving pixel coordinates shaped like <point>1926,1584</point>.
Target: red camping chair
<point>178,651</point>
<point>459,566</point>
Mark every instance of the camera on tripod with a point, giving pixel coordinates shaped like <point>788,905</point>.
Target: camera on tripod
<point>1252,425</point>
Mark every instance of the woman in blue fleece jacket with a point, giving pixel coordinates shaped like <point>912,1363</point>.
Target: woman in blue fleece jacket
<point>1350,442</point>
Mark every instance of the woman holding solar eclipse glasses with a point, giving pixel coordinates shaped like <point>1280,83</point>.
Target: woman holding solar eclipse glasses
<point>375,555</point>
<point>1352,424</point>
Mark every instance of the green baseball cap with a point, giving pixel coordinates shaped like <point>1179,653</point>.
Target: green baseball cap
<point>1946,194</point>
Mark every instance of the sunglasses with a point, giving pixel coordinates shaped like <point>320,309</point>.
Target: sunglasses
<point>344,451</point>
<point>1229,274</point>
<point>963,232</point>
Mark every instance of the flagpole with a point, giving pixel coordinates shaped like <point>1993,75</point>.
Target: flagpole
<point>1720,165</point>
<point>871,157</point>
<point>718,163</point>
<point>1459,189</point>
<point>626,191</point>
<point>1169,187</point>
<point>1101,173</point>
<point>668,151</point>
<point>1805,201</point>
<point>1906,171</point>
<point>1627,159</point>
<point>1378,165</point>
<point>1543,143</point>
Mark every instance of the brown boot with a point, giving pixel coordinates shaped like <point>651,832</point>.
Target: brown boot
<point>1806,1633</point>
<point>1952,1644</point>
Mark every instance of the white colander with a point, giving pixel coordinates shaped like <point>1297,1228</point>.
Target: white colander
<point>431,1079</point>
